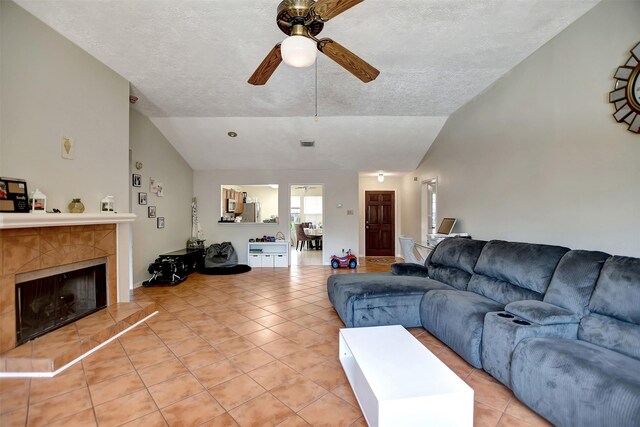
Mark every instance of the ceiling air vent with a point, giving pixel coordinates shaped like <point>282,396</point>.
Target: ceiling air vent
<point>307,143</point>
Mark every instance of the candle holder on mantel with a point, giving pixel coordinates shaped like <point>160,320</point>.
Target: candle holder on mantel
<point>107,205</point>
<point>76,206</point>
<point>37,202</point>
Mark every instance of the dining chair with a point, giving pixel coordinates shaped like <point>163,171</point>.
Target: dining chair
<point>301,236</point>
<point>408,247</point>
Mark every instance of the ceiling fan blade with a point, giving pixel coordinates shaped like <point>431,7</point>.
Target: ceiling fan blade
<point>348,60</point>
<point>267,67</point>
<point>327,9</point>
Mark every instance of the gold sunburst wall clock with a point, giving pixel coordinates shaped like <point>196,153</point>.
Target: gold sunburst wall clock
<point>626,94</point>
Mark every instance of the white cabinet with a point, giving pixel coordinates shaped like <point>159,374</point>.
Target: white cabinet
<point>268,254</point>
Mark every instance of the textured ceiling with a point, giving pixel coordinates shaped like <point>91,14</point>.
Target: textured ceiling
<point>192,58</point>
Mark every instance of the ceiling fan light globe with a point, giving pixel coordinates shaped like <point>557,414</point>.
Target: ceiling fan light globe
<point>299,51</point>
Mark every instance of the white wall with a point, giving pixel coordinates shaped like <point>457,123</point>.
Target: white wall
<point>390,183</point>
<point>538,157</point>
<point>162,162</point>
<point>340,229</point>
<point>51,88</point>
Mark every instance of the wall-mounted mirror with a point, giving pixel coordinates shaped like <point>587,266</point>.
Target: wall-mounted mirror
<point>249,203</point>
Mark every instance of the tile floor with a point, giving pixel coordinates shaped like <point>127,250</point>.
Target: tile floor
<point>256,349</point>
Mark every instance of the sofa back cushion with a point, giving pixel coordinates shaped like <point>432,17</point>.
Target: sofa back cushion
<point>611,333</point>
<point>614,319</point>
<point>453,259</point>
<point>574,280</point>
<point>617,292</point>
<point>512,271</point>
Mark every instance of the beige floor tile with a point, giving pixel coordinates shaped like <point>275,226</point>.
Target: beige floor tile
<point>224,420</point>
<point>294,421</point>
<point>69,380</point>
<point>236,391</point>
<point>152,357</point>
<point>485,416</point>
<point>115,388</point>
<point>188,345</point>
<point>456,363</point>
<point>162,371</point>
<point>125,409</point>
<point>325,375</point>
<point>14,394</point>
<point>174,390</point>
<point>264,410</point>
<point>200,358</point>
<point>61,406</point>
<point>262,337</point>
<point>272,374</point>
<point>235,346</point>
<point>271,320</point>
<point>106,369</point>
<point>518,410</point>
<point>281,347</point>
<point>252,359</point>
<point>298,393</point>
<point>217,373</point>
<point>192,411</point>
<point>345,392</point>
<point>154,419</point>
<point>302,360</point>
<point>330,410</point>
<point>17,417</point>
<point>510,421</point>
<point>491,394</point>
<point>84,418</point>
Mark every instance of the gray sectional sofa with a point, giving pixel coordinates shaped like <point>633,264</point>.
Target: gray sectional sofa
<point>560,327</point>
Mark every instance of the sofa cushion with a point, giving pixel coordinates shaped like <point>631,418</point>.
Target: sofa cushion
<point>574,280</point>
<point>457,318</point>
<point>352,279</point>
<point>453,259</point>
<point>611,333</point>
<point>618,289</point>
<point>542,313</point>
<point>575,383</point>
<point>382,300</point>
<point>499,290</point>
<point>513,270</point>
<point>409,269</point>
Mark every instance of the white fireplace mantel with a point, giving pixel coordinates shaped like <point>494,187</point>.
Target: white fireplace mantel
<point>28,220</point>
<point>123,234</point>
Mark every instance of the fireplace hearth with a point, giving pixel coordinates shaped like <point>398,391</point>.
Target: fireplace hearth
<point>51,298</point>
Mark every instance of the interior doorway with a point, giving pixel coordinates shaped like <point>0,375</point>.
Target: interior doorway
<point>380,223</point>
<point>429,207</point>
<point>306,221</point>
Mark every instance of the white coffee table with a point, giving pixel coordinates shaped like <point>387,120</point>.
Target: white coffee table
<point>399,382</point>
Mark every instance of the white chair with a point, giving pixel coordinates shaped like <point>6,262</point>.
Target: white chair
<point>409,251</point>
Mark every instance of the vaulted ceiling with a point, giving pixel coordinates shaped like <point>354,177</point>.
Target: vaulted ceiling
<point>188,61</point>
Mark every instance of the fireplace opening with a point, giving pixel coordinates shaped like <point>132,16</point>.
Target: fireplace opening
<point>49,299</point>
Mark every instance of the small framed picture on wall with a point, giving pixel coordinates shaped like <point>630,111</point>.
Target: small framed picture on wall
<point>151,211</point>
<point>142,198</point>
<point>136,180</point>
<point>161,222</point>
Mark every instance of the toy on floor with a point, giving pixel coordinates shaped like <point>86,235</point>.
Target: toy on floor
<point>348,260</point>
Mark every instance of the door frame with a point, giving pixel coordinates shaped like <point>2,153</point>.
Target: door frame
<point>395,218</point>
<point>425,210</point>
<point>324,228</point>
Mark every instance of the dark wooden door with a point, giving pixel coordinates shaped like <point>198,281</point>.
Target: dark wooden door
<point>380,223</point>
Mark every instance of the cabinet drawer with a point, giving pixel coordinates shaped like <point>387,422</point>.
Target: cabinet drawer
<point>281,261</point>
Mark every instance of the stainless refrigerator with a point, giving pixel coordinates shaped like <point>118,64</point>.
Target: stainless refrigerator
<point>251,212</point>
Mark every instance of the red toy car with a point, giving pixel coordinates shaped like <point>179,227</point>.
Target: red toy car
<point>349,260</point>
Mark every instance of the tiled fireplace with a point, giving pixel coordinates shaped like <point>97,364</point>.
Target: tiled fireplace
<point>27,249</point>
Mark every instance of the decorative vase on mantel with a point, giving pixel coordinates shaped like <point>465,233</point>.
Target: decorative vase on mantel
<point>76,206</point>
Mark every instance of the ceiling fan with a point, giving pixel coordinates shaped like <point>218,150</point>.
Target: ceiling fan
<point>303,20</point>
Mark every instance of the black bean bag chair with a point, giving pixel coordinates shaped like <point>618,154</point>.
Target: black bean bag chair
<point>221,255</point>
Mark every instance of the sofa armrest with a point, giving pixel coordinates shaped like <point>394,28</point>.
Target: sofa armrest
<point>409,269</point>
<point>541,313</point>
